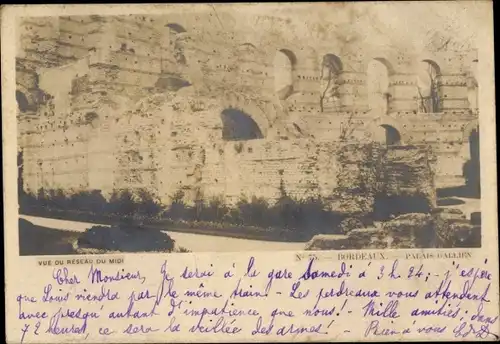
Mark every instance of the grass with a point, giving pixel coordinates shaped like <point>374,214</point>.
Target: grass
<point>37,240</point>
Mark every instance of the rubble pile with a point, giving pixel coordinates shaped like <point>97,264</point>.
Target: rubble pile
<point>357,175</point>
<point>408,171</point>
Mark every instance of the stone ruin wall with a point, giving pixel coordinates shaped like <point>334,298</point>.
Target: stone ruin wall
<point>117,76</point>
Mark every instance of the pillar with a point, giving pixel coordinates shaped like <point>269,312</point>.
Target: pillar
<point>352,91</point>
<point>403,91</point>
<point>306,84</point>
<point>454,92</point>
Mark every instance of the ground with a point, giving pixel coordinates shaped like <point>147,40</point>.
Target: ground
<point>47,236</point>
<point>51,236</point>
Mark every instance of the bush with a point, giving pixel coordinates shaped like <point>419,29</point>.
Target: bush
<point>214,211</point>
<point>87,201</point>
<point>178,208</point>
<point>309,215</point>
<point>27,201</point>
<point>147,205</point>
<point>122,203</point>
<point>125,238</point>
<point>58,200</point>
<point>42,198</point>
<point>255,212</point>
<point>286,213</point>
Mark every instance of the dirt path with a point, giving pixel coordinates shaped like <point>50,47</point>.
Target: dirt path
<point>193,242</point>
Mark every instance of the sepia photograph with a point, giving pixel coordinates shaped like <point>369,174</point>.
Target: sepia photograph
<point>230,130</point>
<point>224,173</point>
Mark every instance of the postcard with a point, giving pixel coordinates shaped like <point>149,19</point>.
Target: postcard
<point>265,172</point>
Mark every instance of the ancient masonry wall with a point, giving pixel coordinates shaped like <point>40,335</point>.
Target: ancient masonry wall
<point>138,99</point>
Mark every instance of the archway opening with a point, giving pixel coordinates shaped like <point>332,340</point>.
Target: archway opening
<point>284,65</point>
<point>22,101</point>
<point>20,170</point>
<point>472,170</point>
<point>331,68</point>
<point>428,84</point>
<point>378,86</point>
<point>472,94</point>
<point>175,44</point>
<point>388,135</point>
<point>239,126</point>
<point>392,135</point>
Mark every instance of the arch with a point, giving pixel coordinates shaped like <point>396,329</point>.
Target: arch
<point>239,126</point>
<point>377,129</point>
<point>22,101</point>
<point>472,165</point>
<point>262,114</point>
<point>291,56</point>
<point>472,93</point>
<point>386,63</point>
<point>377,83</point>
<point>284,73</point>
<point>248,45</point>
<point>331,68</point>
<point>387,58</point>
<point>468,128</point>
<point>474,143</point>
<point>176,27</point>
<point>23,89</point>
<point>249,53</point>
<point>175,42</point>
<point>434,65</point>
<point>392,135</point>
<point>429,87</point>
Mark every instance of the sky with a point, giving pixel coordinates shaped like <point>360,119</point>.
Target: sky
<point>408,25</point>
<point>405,23</point>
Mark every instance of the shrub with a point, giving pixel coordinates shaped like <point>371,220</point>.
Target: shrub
<point>57,199</point>
<point>286,213</point>
<point>88,201</point>
<point>27,201</point>
<point>147,205</point>
<point>42,198</point>
<point>308,215</point>
<point>315,214</point>
<point>122,203</point>
<point>178,208</point>
<point>125,238</point>
<point>215,210</point>
<point>255,212</point>
<point>181,249</point>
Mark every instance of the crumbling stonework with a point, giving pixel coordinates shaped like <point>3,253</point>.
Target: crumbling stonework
<point>444,228</point>
<point>138,103</point>
<point>410,170</point>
